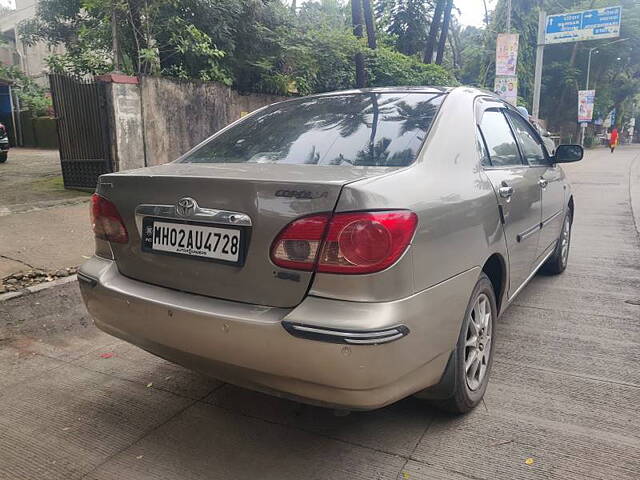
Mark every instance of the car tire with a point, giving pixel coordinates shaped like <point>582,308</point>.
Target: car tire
<point>557,262</point>
<point>3,156</point>
<point>472,376</point>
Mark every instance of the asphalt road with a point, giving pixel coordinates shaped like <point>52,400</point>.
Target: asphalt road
<point>563,401</point>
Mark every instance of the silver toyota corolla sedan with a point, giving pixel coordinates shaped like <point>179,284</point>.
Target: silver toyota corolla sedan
<point>347,249</point>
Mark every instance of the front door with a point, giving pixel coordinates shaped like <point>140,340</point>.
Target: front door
<point>518,192</point>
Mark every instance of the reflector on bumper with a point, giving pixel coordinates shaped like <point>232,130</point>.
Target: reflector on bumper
<point>369,337</point>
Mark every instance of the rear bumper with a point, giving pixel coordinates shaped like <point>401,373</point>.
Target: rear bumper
<point>248,345</point>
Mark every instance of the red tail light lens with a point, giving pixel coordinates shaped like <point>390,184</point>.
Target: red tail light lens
<point>298,244</point>
<point>360,242</point>
<point>106,221</point>
<point>366,242</point>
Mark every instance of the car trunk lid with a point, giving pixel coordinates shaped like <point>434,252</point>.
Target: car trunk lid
<point>271,195</point>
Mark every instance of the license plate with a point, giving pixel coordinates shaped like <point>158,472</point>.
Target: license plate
<point>191,239</point>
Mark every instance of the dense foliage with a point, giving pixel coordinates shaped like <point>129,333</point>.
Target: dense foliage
<point>297,48</point>
<point>32,96</point>
<point>253,45</point>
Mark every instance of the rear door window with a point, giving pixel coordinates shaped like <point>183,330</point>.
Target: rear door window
<point>502,147</point>
<point>368,129</point>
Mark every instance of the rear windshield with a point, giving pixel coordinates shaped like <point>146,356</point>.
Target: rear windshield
<point>367,129</point>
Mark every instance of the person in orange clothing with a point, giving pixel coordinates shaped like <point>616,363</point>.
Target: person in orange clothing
<point>613,142</point>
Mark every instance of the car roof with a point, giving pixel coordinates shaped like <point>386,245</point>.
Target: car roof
<point>398,89</point>
<point>472,92</point>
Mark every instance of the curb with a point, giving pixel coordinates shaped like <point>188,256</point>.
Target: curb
<point>634,191</point>
<point>37,288</point>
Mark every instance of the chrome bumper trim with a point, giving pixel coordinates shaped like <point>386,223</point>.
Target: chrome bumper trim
<point>207,215</point>
<point>372,337</point>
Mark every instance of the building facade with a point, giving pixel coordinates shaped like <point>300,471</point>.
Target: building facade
<point>30,59</point>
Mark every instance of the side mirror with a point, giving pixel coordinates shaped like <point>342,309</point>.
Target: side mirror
<point>568,154</point>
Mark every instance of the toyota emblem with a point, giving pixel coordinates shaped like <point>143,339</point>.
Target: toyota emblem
<point>186,207</point>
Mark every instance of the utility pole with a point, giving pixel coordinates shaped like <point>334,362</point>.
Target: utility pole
<point>508,16</point>
<point>537,79</point>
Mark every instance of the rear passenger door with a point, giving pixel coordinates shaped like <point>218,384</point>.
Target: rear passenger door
<point>551,182</point>
<point>517,190</point>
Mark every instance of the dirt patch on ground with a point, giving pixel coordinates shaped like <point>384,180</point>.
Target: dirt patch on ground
<point>31,178</point>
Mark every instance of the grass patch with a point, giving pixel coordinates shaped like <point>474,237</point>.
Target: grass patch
<point>56,185</point>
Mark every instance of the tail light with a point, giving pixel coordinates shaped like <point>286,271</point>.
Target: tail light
<point>355,243</point>
<point>106,221</point>
<point>298,244</point>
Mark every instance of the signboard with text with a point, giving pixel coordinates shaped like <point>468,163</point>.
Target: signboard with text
<point>506,54</point>
<point>586,99</point>
<point>507,89</point>
<point>587,25</point>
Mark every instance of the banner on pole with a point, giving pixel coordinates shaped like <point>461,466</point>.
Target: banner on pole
<point>610,120</point>
<point>507,89</point>
<point>586,99</point>
<point>586,25</point>
<point>506,54</point>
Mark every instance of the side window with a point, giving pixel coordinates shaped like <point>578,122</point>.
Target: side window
<point>532,149</point>
<point>485,161</point>
<point>502,147</point>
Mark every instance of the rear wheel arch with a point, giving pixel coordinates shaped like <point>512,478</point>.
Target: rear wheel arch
<point>495,268</point>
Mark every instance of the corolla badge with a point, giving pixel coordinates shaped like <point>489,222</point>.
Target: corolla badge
<point>186,207</point>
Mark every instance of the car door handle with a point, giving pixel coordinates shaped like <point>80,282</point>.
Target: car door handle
<point>543,183</point>
<point>506,192</point>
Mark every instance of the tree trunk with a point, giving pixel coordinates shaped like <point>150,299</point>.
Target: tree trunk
<point>454,43</point>
<point>433,31</point>
<point>371,27</point>
<point>356,20</point>
<point>486,14</point>
<point>114,38</point>
<point>444,33</point>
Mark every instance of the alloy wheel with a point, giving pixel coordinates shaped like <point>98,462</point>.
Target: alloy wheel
<point>565,238</point>
<point>477,347</point>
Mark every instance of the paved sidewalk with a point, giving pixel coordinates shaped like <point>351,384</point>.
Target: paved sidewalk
<point>562,403</point>
<point>42,225</point>
<point>47,239</point>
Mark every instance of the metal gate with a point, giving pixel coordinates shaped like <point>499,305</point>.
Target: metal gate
<point>83,130</point>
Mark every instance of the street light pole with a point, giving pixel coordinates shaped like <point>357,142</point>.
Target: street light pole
<point>589,67</point>
<point>586,86</point>
<point>591,50</point>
